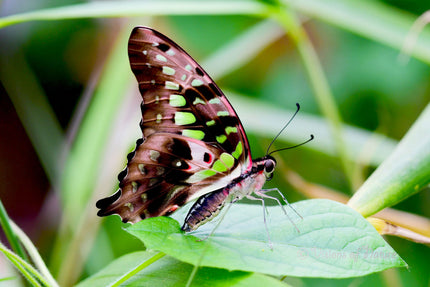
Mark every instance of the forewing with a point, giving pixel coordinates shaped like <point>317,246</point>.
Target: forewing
<point>193,141</point>
<point>179,96</point>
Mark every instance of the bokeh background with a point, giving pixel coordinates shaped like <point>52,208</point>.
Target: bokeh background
<point>51,70</point>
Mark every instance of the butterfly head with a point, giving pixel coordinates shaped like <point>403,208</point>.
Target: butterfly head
<point>265,165</point>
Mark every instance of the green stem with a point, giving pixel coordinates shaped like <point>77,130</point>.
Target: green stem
<point>34,254</point>
<point>137,269</point>
<point>10,235</point>
<point>319,84</point>
<point>29,272</point>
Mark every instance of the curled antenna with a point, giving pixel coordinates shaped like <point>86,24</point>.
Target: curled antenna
<point>292,117</point>
<point>295,113</point>
<point>294,146</point>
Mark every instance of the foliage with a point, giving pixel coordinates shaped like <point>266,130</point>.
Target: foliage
<point>363,100</point>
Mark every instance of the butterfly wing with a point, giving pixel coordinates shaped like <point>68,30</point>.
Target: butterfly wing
<point>193,141</point>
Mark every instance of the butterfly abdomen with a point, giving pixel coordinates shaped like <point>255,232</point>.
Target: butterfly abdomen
<point>209,205</point>
<point>205,208</point>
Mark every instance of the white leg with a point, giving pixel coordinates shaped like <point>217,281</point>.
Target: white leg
<point>283,198</point>
<point>262,193</point>
<point>264,217</point>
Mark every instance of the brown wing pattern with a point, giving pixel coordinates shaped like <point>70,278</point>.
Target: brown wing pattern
<point>193,141</point>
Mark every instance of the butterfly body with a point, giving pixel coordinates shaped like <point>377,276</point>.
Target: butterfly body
<point>193,144</point>
<point>209,205</point>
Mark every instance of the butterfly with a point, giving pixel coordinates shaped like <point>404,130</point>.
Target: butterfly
<point>193,144</point>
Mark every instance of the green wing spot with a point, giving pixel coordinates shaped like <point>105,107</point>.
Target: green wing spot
<point>161,58</point>
<point>184,77</point>
<point>219,166</point>
<point>171,85</point>
<point>238,152</point>
<point>229,130</point>
<point>227,159</point>
<point>184,118</point>
<point>203,174</point>
<point>196,83</point>
<point>221,139</point>
<point>199,101</point>
<point>188,68</point>
<point>159,118</point>
<point>177,101</point>
<point>210,123</point>
<point>168,71</point>
<point>214,101</point>
<point>170,52</point>
<point>222,114</point>
<point>195,134</point>
<point>134,186</point>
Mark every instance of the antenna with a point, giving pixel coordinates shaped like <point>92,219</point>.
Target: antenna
<point>294,146</point>
<point>295,113</point>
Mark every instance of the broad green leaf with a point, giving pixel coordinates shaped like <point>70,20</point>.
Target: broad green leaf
<point>171,272</point>
<point>334,241</point>
<point>405,172</point>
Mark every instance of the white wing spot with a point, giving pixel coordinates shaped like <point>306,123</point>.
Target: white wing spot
<point>141,167</point>
<point>171,85</point>
<point>196,83</point>
<point>168,71</point>
<point>159,117</point>
<point>154,155</point>
<point>161,58</point>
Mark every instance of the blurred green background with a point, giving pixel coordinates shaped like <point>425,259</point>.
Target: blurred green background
<point>50,71</point>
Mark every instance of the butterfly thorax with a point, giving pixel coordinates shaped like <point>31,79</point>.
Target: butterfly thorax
<point>209,205</point>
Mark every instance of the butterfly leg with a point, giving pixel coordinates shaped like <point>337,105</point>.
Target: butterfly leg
<point>283,198</point>
<point>262,193</point>
<point>264,217</point>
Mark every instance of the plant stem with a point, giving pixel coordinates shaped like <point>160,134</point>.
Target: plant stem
<point>319,84</point>
<point>10,235</point>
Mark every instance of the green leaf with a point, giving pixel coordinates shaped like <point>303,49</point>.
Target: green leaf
<point>171,272</point>
<point>405,172</point>
<point>334,241</point>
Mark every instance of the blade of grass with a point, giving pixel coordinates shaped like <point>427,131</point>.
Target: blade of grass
<point>34,111</point>
<point>404,173</point>
<point>10,234</point>
<point>138,268</point>
<point>29,272</point>
<point>319,85</point>
<point>83,165</point>
<point>137,8</point>
<point>242,49</point>
<point>371,19</point>
<point>34,254</point>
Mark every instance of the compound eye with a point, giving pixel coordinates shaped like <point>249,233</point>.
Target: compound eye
<point>269,166</point>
